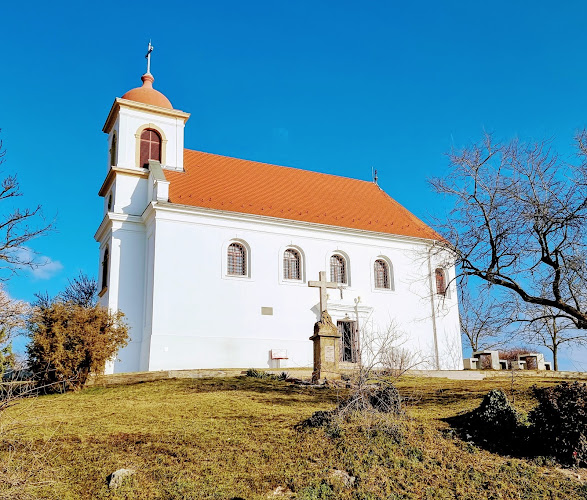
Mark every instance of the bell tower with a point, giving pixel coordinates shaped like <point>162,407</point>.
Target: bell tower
<point>145,138</point>
<point>139,109</point>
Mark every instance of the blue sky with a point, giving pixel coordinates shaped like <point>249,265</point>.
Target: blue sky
<point>337,87</point>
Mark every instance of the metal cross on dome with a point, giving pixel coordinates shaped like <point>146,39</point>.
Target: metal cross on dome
<point>148,57</point>
<point>323,285</point>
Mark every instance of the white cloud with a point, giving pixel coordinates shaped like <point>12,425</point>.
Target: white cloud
<point>47,268</point>
<point>42,267</point>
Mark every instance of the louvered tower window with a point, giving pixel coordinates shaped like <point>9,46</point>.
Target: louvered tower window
<point>150,147</point>
<point>237,260</point>
<point>292,265</point>
<point>338,269</point>
<point>381,274</point>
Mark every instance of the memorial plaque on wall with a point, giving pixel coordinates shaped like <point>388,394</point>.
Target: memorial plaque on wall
<point>329,354</point>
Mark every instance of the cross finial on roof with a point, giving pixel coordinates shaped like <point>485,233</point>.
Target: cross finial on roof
<point>148,57</point>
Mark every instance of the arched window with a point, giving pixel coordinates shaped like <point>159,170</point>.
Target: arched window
<point>292,269</point>
<point>338,272</point>
<point>113,151</point>
<point>382,274</point>
<point>150,147</point>
<point>440,282</point>
<point>237,260</point>
<point>105,266</point>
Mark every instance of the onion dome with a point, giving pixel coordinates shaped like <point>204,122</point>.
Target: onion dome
<point>147,94</point>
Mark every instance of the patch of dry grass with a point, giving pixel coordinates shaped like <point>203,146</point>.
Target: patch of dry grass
<point>235,438</point>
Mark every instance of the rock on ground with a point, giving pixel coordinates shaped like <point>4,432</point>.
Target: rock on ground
<point>342,477</point>
<point>115,479</point>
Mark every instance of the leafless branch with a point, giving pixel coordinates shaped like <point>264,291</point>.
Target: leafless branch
<point>18,226</point>
<point>518,222</point>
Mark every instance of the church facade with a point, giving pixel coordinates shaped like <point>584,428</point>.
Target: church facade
<point>210,257</point>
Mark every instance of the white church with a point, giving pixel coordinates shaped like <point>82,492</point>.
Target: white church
<point>210,257</point>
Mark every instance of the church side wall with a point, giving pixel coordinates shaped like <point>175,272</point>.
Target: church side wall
<point>203,318</point>
<point>126,242</point>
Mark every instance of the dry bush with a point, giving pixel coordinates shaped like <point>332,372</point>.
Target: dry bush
<point>373,399</point>
<point>512,353</point>
<point>383,355</point>
<point>68,341</point>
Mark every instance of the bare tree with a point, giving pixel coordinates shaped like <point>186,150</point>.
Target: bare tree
<point>12,318</point>
<point>483,319</point>
<point>518,222</point>
<point>545,327</point>
<point>81,290</point>
<point>18,226</point>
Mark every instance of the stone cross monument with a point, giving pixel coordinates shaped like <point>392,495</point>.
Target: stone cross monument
<point>326,337</point>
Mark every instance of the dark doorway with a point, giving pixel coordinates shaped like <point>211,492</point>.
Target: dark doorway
<point>348,342</point>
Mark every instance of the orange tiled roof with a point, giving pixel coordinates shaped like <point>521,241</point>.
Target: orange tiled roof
<point>224,183</point>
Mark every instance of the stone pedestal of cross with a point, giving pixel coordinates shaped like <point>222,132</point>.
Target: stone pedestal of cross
<point>326,337</point>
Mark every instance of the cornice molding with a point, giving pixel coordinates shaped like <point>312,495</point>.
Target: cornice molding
<point>174,208</point>
<point>134,171</point>
<point>110,218</point>
<point>149,108</point>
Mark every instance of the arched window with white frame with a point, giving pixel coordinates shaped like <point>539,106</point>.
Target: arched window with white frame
<point>382,275</point>
<point>292,265</point>
<point>338,269</point>
<point>236,260</point>
<point>440,281</point>
<point>105,268</point>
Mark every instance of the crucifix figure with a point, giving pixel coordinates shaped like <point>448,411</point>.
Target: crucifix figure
<point>148,57</point>
<point>323,285</point>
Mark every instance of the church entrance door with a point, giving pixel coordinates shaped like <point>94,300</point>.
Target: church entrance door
<point>348,348</point>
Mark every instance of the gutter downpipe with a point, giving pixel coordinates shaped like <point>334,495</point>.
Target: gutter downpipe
<point>434,331</point>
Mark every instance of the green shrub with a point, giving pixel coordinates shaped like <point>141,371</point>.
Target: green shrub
<point>254,373</point>
<point>322,491</point>
<point>317,419</point>
<point>494,425</point>
<point>495,415</point>
<point>560,422</point>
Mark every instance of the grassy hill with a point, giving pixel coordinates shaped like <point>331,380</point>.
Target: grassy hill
<point>229,438</point>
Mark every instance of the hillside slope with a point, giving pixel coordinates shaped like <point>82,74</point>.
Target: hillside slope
<point>235,438</point>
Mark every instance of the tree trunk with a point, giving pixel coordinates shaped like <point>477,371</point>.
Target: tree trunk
<point>555,357</point>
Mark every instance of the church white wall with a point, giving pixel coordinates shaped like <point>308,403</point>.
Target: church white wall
<point>130,194</point>
<point>125,238</point>
<point>202,318</point>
